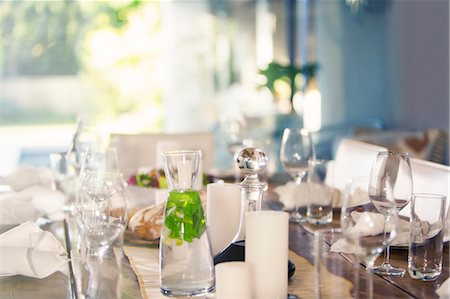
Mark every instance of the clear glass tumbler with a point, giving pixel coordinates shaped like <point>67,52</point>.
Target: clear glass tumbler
<point>320,196</point>
<point>186,262</point>
<point>426,236</point>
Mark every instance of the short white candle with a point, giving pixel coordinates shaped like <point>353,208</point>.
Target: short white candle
<point>233,280</point>
<point>266,252</point>
<point>223,208</point>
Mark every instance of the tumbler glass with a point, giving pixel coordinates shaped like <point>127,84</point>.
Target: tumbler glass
<point>426,236</point>
<point>320,196</point>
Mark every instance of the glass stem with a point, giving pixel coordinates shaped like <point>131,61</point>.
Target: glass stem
<point>298,181</point>
<point>387,251</point>
<point>369,283</point>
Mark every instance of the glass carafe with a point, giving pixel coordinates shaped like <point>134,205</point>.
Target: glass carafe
<point>250,162</point>
<point>186,263</point>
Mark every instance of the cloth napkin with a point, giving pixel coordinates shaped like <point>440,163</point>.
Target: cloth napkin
<point>30,204</point>
<point>361,220</point>
<point>291,191</point>
<point>444,289</point>
<point>28,250</point>
<point>26,176</point>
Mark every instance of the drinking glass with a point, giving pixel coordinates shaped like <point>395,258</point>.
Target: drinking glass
<point>327,260</point>
<point>101,217</point>
<point>234,133</point>
<point>297,150</point>
<point>320,196</point>
<point>234,130</point>
<point>426,236</point>
<point>390,180</point>
<point>363,225</point>
<point>101,211</point>
<point>100,159</point>
<point>65,177</point>
<point>186,262</point>
<point>83,139</point>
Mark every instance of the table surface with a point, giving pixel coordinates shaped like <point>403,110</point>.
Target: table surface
<point>301,238</point>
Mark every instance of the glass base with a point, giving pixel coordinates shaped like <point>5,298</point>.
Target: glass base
<point>297,217</point>
<point>388,270</point>
<point>189,293</point>
<point>429,275</point>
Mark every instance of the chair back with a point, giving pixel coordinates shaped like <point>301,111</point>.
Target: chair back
<point>353,159</point>
<point>138,150</point>
<point>429,177</point>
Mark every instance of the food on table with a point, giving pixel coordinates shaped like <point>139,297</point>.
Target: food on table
<point>146,223</point>
<point>156,178</point>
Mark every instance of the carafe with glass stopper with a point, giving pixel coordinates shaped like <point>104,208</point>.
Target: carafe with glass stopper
<point>251,162</point>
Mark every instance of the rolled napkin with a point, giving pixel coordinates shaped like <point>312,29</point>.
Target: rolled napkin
<point>30,204</point>
<point>361,219</point>
<point>444,290</point>
<point>26,176</point>
<point>28,250</point>
<point>290,191</point>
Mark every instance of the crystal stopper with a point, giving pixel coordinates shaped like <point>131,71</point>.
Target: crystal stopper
<point>250,162</point>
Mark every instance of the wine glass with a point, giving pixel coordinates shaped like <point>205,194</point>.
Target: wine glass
<point>65,178</point>
<point>297,150</point>
<point>390,176</point>
<point>101,210</point>
<point>363,225</point>
<point>234,130</point>
<point>99,159</point>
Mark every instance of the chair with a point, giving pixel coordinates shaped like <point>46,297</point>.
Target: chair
<point>138,150</point>
<point>353,159</point>
<point>429,177</point>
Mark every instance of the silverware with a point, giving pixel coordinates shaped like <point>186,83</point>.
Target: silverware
<point>73,285</point>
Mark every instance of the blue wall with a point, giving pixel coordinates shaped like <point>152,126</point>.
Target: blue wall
<point>391,65</point>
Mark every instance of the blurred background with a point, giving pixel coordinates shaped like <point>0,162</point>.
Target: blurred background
<point>376,70</point>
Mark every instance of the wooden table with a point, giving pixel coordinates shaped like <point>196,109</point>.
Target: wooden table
<point>300,241</point>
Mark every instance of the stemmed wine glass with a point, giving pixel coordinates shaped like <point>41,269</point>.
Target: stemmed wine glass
<point>99,159</point>
<point>101,217</point>
<point>390,177</point>
<point>101,210</point>
<point>297,150</point>
<point>362,226</point>
<point>234,130</point>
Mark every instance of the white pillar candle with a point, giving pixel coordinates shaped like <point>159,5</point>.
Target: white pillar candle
<point>266,252</point>
<point>223,208</point>
<point>233,281</point>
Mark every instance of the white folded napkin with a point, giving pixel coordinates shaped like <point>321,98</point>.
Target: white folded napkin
<point>28,250</point>
<point>444,290</point>
<point>291,191</point>
<point>377,225</point>
<point>30,204</point>
<point>26,176</point>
